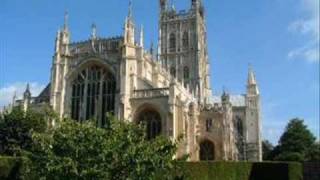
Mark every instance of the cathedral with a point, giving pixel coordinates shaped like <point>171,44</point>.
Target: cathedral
<point>166,88</point>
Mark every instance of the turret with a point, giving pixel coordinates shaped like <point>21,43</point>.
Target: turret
<point>63,37</point>
<point>26,98</point>
<point>163,5</point>
<point>253,119</point>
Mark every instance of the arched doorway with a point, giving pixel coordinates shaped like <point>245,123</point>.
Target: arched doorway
<point>93,94</point>
<point>206,151</point>
<point>152,120</point>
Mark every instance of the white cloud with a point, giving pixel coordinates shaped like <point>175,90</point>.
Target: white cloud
<point>7,91</point>
<point>307,26</point>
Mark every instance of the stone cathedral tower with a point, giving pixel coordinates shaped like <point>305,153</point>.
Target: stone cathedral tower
<point>170,92</point>
<point>183,46</point>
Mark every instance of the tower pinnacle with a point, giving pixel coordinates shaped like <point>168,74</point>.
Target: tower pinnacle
<point>130,9</point>
<point>252,86</point>
<point>94,31</point>
<point>251,76</point>
<point>66,18</point>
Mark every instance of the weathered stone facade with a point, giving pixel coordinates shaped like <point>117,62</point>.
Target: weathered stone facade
<point>169,90</point>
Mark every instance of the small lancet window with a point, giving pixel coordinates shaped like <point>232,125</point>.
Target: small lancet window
<point>185,40</point>
<point>186,74</point>
<point>172,41</point>
<point>208,125</point>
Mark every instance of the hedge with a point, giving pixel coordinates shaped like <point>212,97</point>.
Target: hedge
<point>18,168</point>
<point>241,171</point>
<point>14,168</point>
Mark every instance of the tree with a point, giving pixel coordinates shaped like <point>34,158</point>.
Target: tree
<point>295,142</point>
<point>313,153</point>
<point>267,148</point>
<point>16,128</point>
<point>84,151</point>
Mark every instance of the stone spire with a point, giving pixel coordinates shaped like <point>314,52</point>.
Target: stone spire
<point>252,87</point>
<point>251,76</point>
<point>27,92</point>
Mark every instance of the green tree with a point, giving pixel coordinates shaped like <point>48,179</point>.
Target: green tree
<point>16,130</point>
<point>295,142</point>
<point>313,153</point>
<point>267,148</point>
<point>84,151</point>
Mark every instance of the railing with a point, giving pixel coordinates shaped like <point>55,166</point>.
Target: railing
<point>151,93</point>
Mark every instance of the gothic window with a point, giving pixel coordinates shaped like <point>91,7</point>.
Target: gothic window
<point>151,119</point>
<point>185,40</point>
<point>206,151</point>
<point>172,42</point>
<point>208,125</point>
<point>186,74</point>
<point>239,125</point>
<point>93,94</point>
<point>173,71</point>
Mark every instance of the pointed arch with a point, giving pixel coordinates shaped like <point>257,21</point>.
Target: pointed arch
<point>152,120</point>
<point>206,152</point>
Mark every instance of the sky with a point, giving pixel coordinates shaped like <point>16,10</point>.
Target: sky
<point>279,38</point>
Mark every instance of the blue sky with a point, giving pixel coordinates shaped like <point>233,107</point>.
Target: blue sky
<point>279,38</point>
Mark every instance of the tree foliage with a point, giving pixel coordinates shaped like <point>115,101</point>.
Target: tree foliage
<point>297,143</point>
<point>267,148</point>
<point>16,130</point>
<point>84,151</point>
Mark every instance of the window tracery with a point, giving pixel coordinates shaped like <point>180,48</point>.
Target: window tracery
<point>93,94</point>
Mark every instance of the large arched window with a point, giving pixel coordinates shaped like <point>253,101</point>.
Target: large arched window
<point>172,41</point>
<point>93,94</point>
<point>152,120</point>
<point>185,40</point>
<point>206,151</point>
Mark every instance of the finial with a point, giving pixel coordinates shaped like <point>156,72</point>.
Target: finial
<point>130,9</point>
<point>141,36</point>
<point>151,48</point>
<point>94,31</point>
<point>172,5</point>
<point>66,18</point>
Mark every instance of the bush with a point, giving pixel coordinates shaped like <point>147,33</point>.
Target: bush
<point>15,168</point>
<point>83,151</point>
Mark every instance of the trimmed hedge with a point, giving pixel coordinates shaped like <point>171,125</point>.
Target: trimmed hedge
<point>18,168</point>
<point>14,168</point>
<point>241,171</point>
